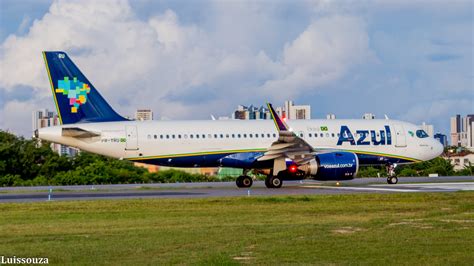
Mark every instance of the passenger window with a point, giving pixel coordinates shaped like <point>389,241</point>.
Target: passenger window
<point>161,136</point>
<point>310,135</point>
<point>321,135</point>
<point>197,136</point>
<point>215,136</point>
<point>172,136</point>
<point>155,136</point>
<point>250,135</point>
<point>233,135</point>
<point>226,136</point>
<point>238,136</point>
<point>191,136</point>
<point>263,135</point>
<point>301,135</point>
<point>203,136</point>
<point>256,135</point>
<point>245,135</point>
<point>179,136</point>
<point>167,136</point>
<point>315,135</point>
<point>332,135</point>
<point>222,136</point>
<point>274,135</point>
<point>268,135</point>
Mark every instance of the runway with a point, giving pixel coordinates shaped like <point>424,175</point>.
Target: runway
<point>228,189</point>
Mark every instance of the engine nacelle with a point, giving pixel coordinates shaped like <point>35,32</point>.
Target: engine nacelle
<point>332,166</point>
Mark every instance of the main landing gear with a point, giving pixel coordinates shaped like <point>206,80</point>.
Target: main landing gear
<point>244,181</point>
<point>273,181</point>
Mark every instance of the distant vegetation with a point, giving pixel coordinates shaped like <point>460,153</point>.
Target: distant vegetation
<point>25,162</point>
<point>440,166</point>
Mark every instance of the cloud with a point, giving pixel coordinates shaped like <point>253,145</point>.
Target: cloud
<point>161,63</point>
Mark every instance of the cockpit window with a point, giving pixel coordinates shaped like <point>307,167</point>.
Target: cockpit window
<point>421,133</point>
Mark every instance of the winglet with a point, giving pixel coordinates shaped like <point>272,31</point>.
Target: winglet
<point>279,124</point>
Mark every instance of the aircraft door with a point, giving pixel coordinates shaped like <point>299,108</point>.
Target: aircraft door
<point>400,136</point>
<point>131,138</point>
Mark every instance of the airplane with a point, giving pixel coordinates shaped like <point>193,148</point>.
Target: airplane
<point>278,148</point>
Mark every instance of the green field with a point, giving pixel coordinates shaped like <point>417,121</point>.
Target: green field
<point>411,228</point>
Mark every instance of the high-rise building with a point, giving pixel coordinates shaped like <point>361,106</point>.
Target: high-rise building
<point>293,111</point>
<point>429,129</point>
<point>442,138</point>
<point>462,131</point>
<point>251,113</point>
<point>289,111</point>
<point>45,118</point>
<point>144,114</point>
<point>456,129</point>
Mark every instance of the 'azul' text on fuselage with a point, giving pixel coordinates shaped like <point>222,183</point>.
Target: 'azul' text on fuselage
<point>365,137</point>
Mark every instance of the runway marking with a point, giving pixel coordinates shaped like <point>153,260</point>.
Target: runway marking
<point>366,188</point>
<point>446,186</point>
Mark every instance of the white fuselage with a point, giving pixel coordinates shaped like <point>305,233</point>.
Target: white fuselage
<point>136,140</point>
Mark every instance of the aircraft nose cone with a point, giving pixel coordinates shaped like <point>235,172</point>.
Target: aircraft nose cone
<point>438,148</point>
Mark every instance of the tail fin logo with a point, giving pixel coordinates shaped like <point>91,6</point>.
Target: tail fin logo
<point>75,90</point>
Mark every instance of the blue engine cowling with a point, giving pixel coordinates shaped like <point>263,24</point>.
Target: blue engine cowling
<point>333,166</point>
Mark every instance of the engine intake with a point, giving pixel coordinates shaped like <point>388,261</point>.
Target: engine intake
<point>332,166</point>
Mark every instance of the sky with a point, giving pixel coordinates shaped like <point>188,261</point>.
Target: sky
<point>412,60</point>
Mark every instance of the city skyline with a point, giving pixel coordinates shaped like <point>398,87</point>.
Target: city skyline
<point>406,59</point>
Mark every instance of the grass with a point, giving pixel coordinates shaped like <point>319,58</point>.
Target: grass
<point>411,228</point>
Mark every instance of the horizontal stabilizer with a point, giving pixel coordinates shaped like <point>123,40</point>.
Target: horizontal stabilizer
<point>79,133</point>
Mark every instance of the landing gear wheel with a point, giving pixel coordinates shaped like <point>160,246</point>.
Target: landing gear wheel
<point>273,182</point>
<point>392,180</point>
<point>244,181</point>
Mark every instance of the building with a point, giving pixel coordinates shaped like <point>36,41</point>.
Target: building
<point>330,116</point>
<point>462,131</point>
<point>429,129</point>
<point>293,111</point>
<point>461,161</point>
<point>144,114</point>
<point>441,138</point>
<point>251,113</point>
<point>456,130</point>
<point>368,116</point>
<point>45,118</point>
<point>288,111</point>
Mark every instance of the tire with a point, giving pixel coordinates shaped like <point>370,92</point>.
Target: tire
<point>238,181</point>
<point>275,182</point>
<point>267,182</point>
<point>393,180</point>
<point>246,181</point>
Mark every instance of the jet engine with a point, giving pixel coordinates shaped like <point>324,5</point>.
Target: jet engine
<point>332,166</point>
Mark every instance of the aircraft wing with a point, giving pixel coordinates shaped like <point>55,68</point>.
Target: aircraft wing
<point>289,145</point>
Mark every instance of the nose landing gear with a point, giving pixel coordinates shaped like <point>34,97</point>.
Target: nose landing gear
<point>391,175</point>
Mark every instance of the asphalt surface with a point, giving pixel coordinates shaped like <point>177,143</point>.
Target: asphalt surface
<point>226,189</point>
